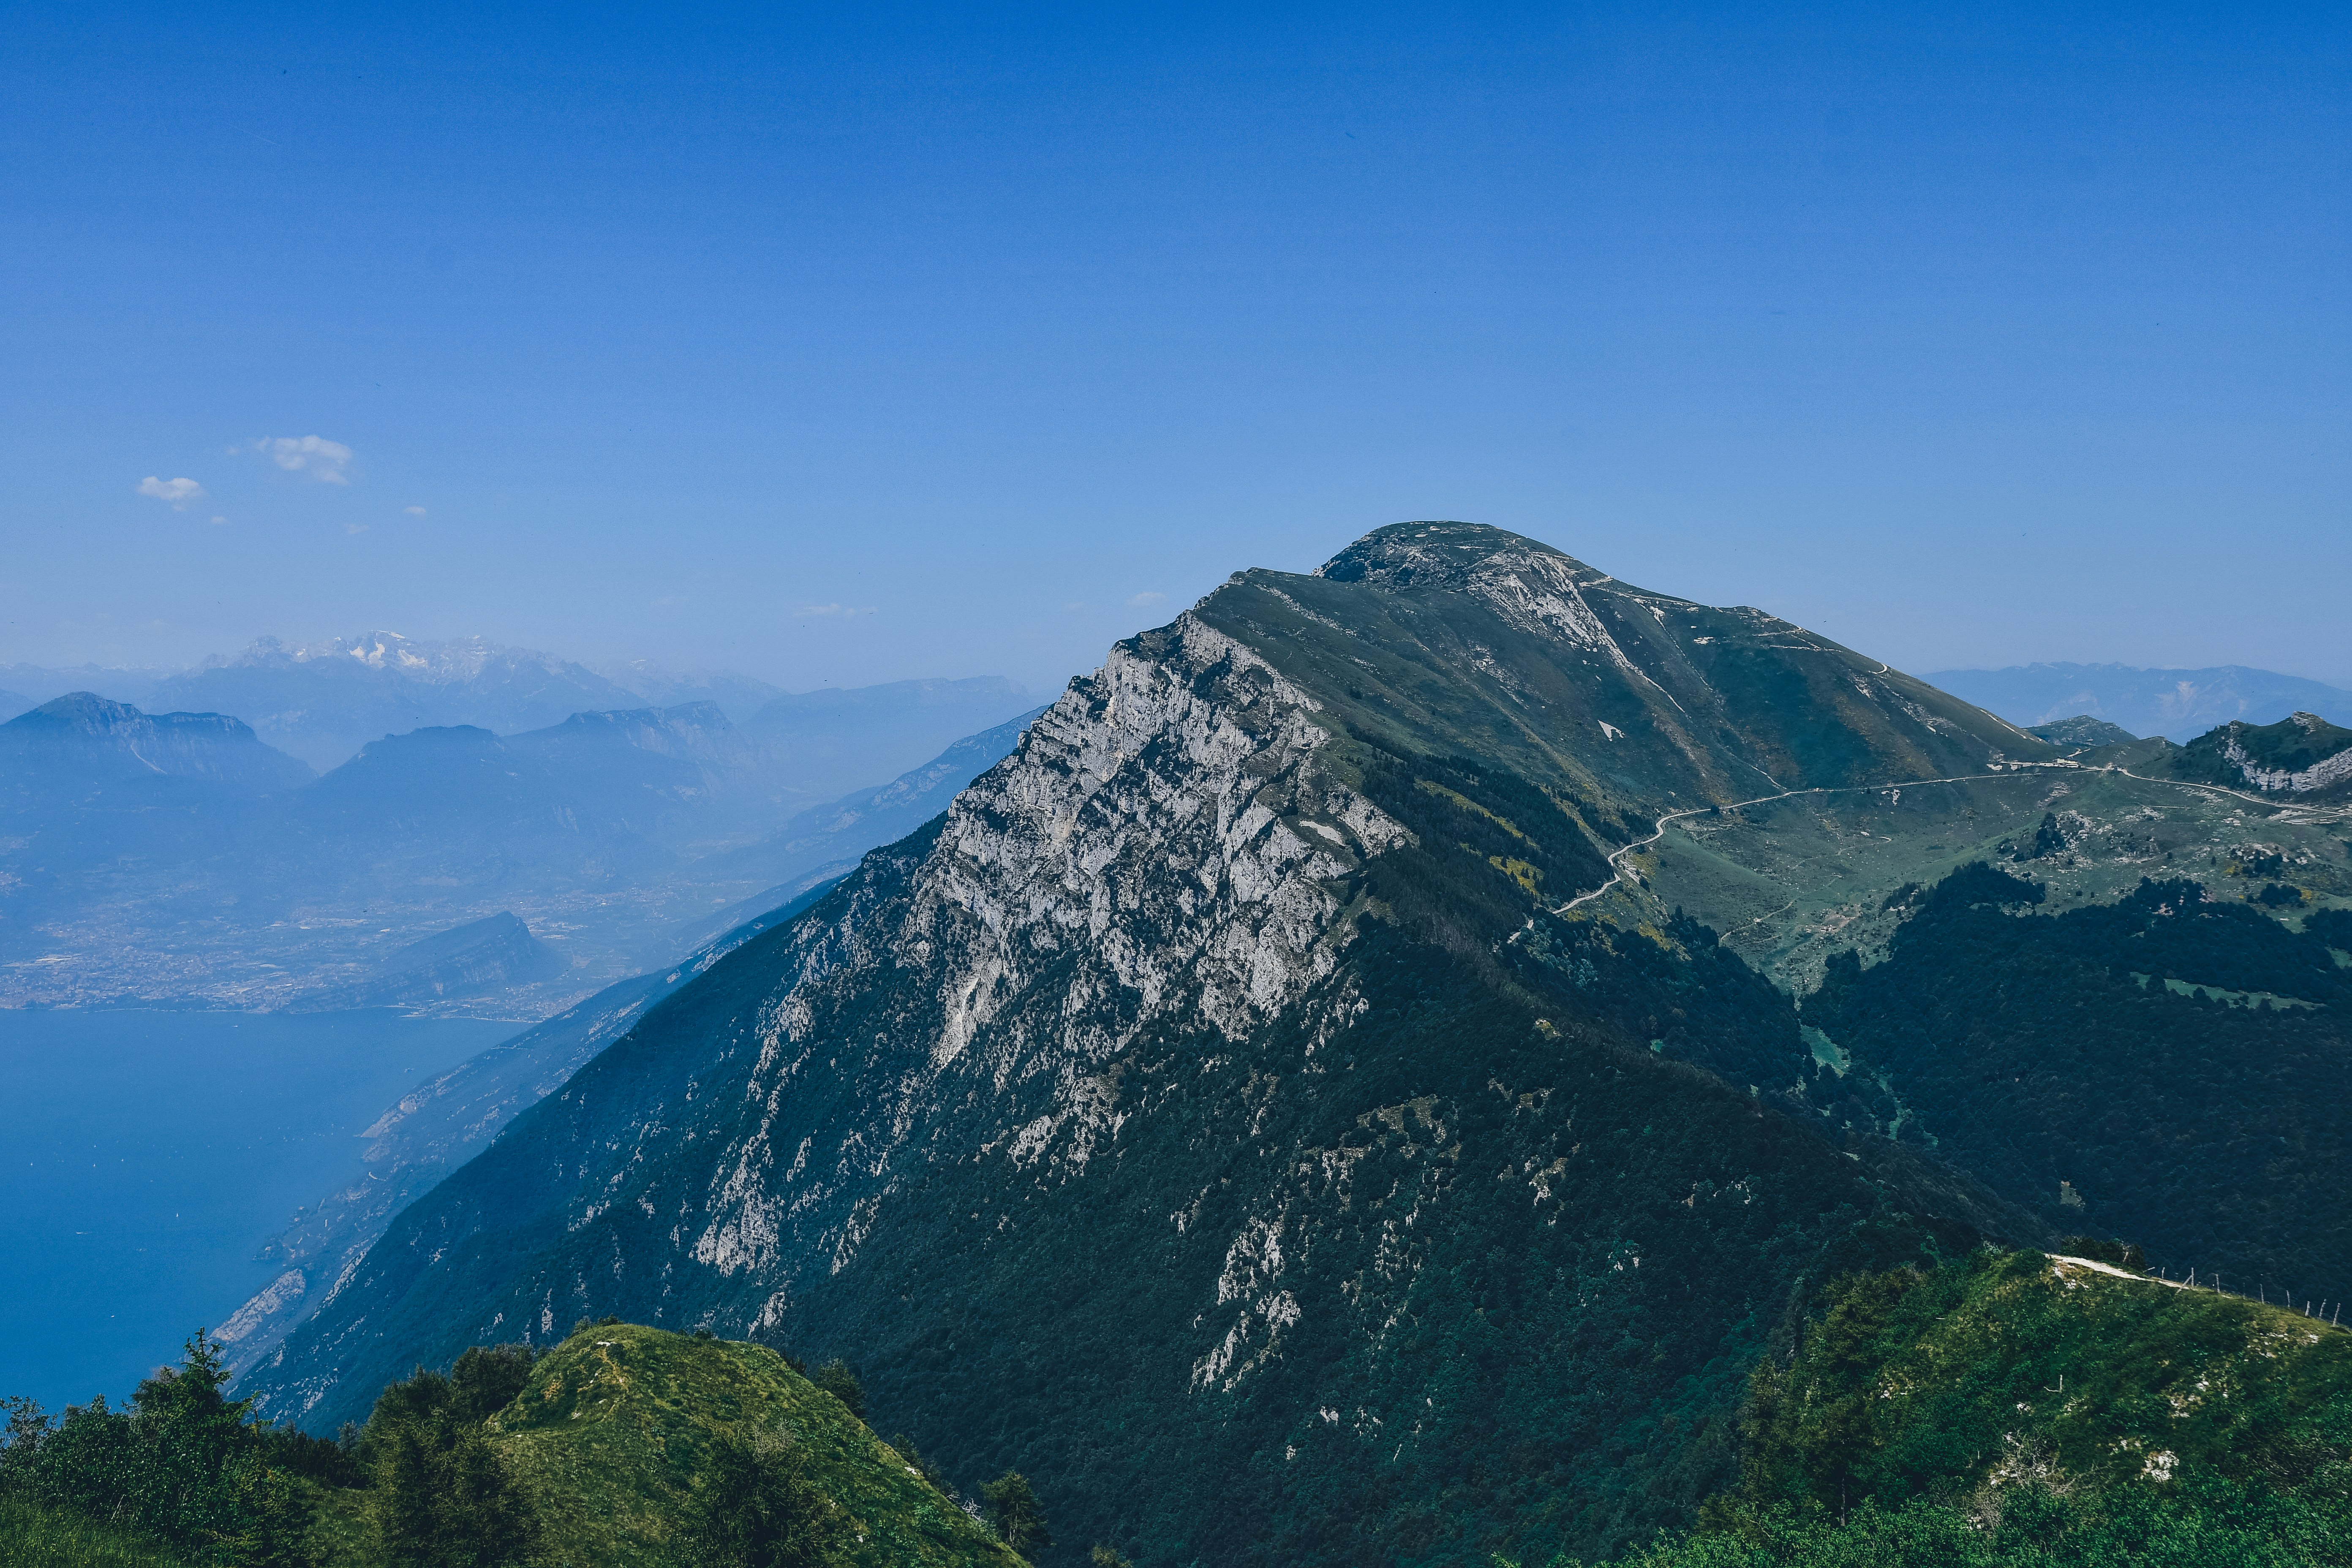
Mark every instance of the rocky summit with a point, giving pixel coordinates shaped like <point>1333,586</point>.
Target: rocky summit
<point>1232,1112</point>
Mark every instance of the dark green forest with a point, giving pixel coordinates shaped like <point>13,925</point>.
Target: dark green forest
<point>2171,1068</point>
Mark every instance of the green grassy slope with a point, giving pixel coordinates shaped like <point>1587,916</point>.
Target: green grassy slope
<point>35,1537</point>
<point>1456,640</point>
<point>615,1418</point>
<point>1982,1370</point>
<point>2082,734</point>
<point>2020,1409</point>
<point>1791,882</point>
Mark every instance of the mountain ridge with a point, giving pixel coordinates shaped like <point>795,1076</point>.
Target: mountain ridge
<point>116,741</point>
<point>1163,985</point>
<point>2302,756</point>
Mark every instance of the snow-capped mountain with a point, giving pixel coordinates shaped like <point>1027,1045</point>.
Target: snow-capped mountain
<point>323,701</point>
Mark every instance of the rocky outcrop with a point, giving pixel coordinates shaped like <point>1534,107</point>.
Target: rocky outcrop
<point>2327,772</point>
<point>1164,844</point>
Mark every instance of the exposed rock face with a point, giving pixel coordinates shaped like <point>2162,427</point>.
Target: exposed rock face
<point>2302,756</point>
<point>2333,769</point>
<point>1207,1116</point>
<point>1167,846</point>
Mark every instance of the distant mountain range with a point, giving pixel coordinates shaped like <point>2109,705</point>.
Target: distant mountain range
<point>2179,704</point>
<point>738,696</point>
<point>322,701</point>
<point>178,859</point>
<point>33,684</point>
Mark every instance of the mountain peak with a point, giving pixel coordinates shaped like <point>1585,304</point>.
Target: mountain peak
<point>1438,555</point>
<point>115,738</point>
<point>84,710</point>
<point>447,661</point>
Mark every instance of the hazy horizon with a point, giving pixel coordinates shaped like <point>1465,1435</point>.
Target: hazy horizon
<point>1036,688</point>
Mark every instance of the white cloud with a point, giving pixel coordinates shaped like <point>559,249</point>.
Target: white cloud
<point>1142,599</point>
<point>322,459</point>
<point>220,520</point>
<point>355,528</point>
<point>413,511</point>
<point>179,492</point>
<point>837,610</point>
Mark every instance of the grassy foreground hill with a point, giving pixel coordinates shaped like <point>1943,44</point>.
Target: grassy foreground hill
<point>613,1423</point>
<point>2022,1409</point>
<point>613,1428</point>
<point>32,1536</point>
<point>619,1445</point>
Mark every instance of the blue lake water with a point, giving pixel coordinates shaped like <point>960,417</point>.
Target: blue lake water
<point>145,1156</point>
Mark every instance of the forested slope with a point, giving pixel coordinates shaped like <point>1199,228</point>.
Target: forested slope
<point>2170,1067</point>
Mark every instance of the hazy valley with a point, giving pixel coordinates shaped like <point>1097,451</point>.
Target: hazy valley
<point>182,859</point>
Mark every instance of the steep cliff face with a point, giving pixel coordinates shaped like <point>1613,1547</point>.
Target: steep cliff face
<point>1209,1115</point>
<point>2302,754</point>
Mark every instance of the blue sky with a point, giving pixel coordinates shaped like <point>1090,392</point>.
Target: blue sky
<point>942,341</point>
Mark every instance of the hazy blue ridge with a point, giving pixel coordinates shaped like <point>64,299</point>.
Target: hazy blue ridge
<point>737,695</point>
<point>41,682</point>
<point>180,858</point>
<point>832,836</point>
<point>2084,730</point>
<point>322,701</point>
<point>838,738</point>
<point>2179,704</point>
<point>94,794</point>
<point>81,746</point>
<point>478,958</point>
